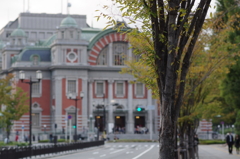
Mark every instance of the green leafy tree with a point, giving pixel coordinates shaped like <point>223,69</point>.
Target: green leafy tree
<point>173,27</point>
<point>229,10</point>
<point>237,123</point>
<point>15,102</point>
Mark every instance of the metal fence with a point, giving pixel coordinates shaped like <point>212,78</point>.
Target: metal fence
<point>26,151</point>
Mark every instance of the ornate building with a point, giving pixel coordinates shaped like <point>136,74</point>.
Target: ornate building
<point>74,58</point>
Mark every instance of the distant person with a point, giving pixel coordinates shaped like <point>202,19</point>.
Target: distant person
<point>51,137</point>
<point>6,140</point>
<point>195,145</point>
<point>26,138</point>
<point>230,142</point>
<point>16,138</point>
<point>34,138</point>
<point>237,143</point>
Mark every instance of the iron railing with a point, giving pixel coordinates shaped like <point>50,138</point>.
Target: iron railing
<point>26,151</point>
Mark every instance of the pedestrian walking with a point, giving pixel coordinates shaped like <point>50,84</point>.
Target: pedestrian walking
<point>237,143</point>
<point>51,137</point>
<point>16,138</point>
<point>230,142</point>
<point>195,145</point>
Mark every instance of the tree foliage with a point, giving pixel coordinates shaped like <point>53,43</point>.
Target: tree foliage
<point>15,103</point>
<point>173,27</point>
<point>229,11</point>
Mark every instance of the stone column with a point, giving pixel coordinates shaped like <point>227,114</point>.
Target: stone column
<point>57,118</point>
<point>150,114</point>
<point>130,123</point>
<point>84,114</point>
<point>83,56</point>
<point>110,97</point>
<point>90,96</point>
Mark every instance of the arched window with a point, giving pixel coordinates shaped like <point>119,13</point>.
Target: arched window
<point>119,52</point>
<point>102,57</point>
<point>35,59</point>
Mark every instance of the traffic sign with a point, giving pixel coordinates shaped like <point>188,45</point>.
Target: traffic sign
<point>69,117</point>
<point>151,107</point>
<point>22,126</point>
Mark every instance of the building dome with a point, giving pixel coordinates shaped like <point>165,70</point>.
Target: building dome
<point>18,32</point>
<point>68,22</point>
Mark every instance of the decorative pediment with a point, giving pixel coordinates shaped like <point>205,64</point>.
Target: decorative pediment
<point>71,109</point>
<point>36,107</point>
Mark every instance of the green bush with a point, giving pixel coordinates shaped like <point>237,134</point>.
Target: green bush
<point>22,144</point>
<point>208,142</point>
<point>132,140</point>
<point>46,141</point>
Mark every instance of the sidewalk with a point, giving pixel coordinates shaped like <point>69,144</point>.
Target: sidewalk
<point>216,152</point>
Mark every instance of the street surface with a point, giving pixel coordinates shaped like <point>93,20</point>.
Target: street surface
<point>139,151</point>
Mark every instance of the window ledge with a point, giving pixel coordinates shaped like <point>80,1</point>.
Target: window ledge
<point>120,95</point>
<point>139,96</point>
<point>36,95</point>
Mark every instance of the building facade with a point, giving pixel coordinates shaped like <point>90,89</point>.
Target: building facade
<point>75,58</point>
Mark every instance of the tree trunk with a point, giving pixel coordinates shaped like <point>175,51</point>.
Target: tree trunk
<point>167,133</point>
<point>191,142</point>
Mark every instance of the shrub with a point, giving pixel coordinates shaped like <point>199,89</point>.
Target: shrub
<point>208,142</point>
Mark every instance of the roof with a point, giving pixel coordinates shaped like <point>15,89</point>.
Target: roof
<point>49,41</point>
<point>43,53</point>
<point>89,33</point>
<point>68,22</point>
<point>98,36</point>
<point>18,32</point>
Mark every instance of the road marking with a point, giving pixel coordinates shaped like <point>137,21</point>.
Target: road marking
<point>116,151</point>
<point>103,155</point>
<point>95,153</point>
<point>143,152</point>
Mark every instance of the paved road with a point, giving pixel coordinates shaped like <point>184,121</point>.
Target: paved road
<point>140,151</point>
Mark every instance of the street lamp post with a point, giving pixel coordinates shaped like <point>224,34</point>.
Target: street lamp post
<point>44,128</point>
<point>90,118</point>
<point>30,82</point>
<point>74,97</point>
<point>97,118</point>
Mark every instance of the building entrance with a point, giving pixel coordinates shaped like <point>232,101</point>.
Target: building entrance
<point>99,122</point>
<point>119,125</point>
<point>139,121</point>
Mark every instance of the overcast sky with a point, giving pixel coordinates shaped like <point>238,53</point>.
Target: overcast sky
<point>10,9</point>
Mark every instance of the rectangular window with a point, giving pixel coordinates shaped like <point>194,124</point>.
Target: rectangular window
<point>8,34</point>
<point>41,35</point>
<point>71,34</point>
<point>120,89</point>
<point>36,88</point>
<point>72,86</point>
<point>33,35</point>
<point>99,88</point>
<point>35,119</point>
<point>62,34</point>
<point>139,89</point>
